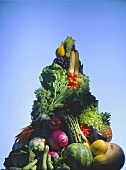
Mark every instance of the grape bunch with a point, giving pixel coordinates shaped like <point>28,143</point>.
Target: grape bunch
<point>64,62</point>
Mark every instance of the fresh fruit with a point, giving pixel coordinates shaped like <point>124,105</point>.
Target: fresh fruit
<point>102,162</point>
<point>108,132</point>
<point>116,155</point>
<point>106,129</point>
<point>113,159</point>
<point>77,156</point>
<point>55,123</point>
<point>87,144</point>
<point>106,118</point>
<point>99,147</point>
<point>60,51</point>
<point>64,62</point>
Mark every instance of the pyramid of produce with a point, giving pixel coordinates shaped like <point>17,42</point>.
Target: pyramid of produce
<point>67,130</point>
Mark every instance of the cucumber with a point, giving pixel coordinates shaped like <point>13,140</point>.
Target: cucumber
<point>49,162</point>
<point>30,165</point>
<point>63,168</point>
<point>34,167</point>
<point>44,158</point>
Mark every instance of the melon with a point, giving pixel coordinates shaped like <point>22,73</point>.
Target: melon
<point>77,156</point>
<point>102,162</point>
<point>116,154</point>
<point>99,147</point>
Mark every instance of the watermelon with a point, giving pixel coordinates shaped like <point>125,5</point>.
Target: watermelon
<point>77,156</point>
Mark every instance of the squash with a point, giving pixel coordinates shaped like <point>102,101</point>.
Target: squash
<point>77,156</point>
<point>87,144</point>
<point>99,147</point>
<point>113,159</point>
<point>116,154</point>
<point>102,162</point>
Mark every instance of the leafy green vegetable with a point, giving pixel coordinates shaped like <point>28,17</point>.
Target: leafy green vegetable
<point>41,104</point>
<point>52,77</point>
<point>17,158</point>
<point>53,92</point>
<point>31,155</point>
<point>91,116</point>
<point>68,44</point>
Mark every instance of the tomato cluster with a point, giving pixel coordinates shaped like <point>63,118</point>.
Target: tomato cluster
<point>85,130</point>
<point>72,80</point>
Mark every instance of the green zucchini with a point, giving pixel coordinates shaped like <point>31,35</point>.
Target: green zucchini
<point>30,165</point>
<point>34,167</point>
<point>49,162</point>
<point>44,158</point>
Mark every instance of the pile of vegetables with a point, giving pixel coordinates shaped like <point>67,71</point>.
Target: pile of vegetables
<point>67,130</point>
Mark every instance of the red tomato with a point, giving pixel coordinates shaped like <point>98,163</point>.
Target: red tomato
<point>85,130</point>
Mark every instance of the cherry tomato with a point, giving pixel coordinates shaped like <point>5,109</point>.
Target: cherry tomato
<point>85,130</point>
<point>76,75</point>
<point>70,75</point>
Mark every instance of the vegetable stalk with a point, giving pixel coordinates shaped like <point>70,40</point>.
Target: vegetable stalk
<point>75,134</point>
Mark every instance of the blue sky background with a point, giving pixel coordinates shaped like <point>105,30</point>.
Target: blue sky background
<point>30,32</point>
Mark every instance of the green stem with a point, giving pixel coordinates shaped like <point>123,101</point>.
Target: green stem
<point>83,138</point>
<point>69,129</point>
<point>73,129</point>
<point>76,129</point>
